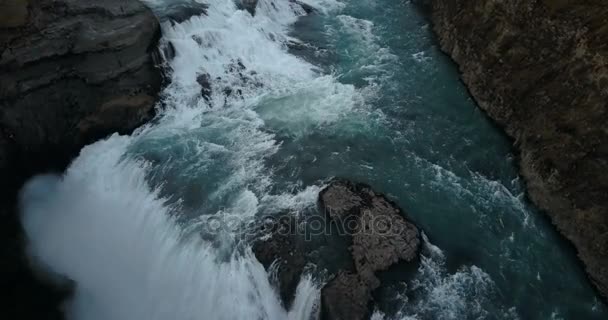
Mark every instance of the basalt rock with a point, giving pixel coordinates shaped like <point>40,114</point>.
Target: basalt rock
<point>540,69</point>
<point>381,237</point>
<point>346,297</point>
<point>71,72</point>
<point>284,251</point>
<point>180,11</point>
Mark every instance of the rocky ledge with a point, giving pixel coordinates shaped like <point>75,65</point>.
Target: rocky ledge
<point>540,69</point>
<point>378,235</point>
<point>71,72</point>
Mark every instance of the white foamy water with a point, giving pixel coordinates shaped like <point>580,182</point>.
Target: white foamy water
<point>440,294</point>
<point>128,222</point>
<point>105,226</point>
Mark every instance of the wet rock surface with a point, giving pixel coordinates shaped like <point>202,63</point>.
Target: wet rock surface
<point>540,70</point>
<point>346,297</point>
<point>284,252</point>
<point>77,61</point>
<point>182,10</point>
<point>381,237</point>
<point>204,80</point>
<point>71,72</point>
<point>249,5</point>
<point>378,237</point>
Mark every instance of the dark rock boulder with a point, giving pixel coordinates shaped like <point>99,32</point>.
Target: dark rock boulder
<point>540,69</point>
<point>180,11</point>
<point>381,237</point>
<point>249,5</point>
<point>71,71</point>
<point>205,81</point>
<point>307,8</point>
<point>74,63</point>
<point>284,251</point>
<point>346,297</point>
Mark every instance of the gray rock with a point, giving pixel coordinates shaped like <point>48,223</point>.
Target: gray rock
<point>249,5</point>
<point>282,248</point>
<point>346,297</point>
<point>381,237</point>
<point>77,60</point>
<point>205,81</point>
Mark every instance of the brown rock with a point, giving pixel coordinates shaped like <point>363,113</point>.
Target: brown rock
<point>540,69</point>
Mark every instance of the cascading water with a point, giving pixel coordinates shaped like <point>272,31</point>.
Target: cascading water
<point>355,89</point>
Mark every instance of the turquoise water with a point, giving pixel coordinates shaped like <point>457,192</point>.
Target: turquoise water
<point>366,95</point>
<point>428,146</point>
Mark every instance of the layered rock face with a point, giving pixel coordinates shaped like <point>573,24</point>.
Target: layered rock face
<point>540,69</point>
<point>71,71</point>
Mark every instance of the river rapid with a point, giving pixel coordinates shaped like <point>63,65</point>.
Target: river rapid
<point>356,89</point>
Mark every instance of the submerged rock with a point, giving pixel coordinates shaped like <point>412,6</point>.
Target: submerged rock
<point>71,71</point>
<point>540,70</point>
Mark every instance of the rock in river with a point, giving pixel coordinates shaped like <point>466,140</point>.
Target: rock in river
<point>379,236</point>
<point>540,70</point>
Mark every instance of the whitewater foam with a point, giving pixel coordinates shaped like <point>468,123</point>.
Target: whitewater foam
<point>106,223</point>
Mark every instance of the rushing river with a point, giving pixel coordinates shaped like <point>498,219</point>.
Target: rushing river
<point>356,89</point>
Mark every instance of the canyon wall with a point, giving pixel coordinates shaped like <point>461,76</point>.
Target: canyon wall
<point>71,72</point>
<point>539,68</point>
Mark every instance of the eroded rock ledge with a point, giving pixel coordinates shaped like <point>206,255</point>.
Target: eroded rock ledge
<point>71,72</point>
<point>378,237</point>
<point>540,69</point>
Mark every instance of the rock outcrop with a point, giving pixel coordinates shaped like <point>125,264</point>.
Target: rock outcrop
<point>540,69</point>
<point>285,249</point>
<point>379,236</point>
<point>71,72</point>
<point>249,5</point>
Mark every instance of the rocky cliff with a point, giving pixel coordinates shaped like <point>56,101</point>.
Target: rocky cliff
<point>71,71</point>
<point>539,68</point>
